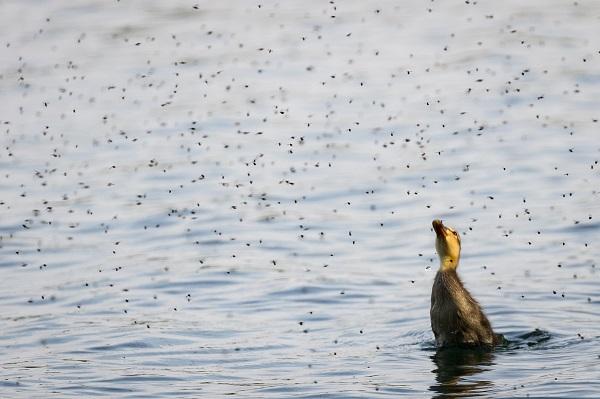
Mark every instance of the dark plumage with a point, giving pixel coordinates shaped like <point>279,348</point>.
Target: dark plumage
<point>456,317</point>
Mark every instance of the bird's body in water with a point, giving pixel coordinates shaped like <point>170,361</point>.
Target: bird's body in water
<point>456,318</point>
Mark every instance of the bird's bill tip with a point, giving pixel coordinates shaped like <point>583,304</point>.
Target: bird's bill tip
<point>438,226</point>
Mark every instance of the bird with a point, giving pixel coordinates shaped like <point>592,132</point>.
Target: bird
<point>457,319</point>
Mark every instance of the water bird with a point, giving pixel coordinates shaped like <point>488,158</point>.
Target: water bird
<point>456,317</point>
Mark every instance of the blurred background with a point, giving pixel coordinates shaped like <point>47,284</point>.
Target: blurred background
<point>217,198</point>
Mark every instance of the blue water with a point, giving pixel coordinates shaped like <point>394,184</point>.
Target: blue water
<point>235,198</point>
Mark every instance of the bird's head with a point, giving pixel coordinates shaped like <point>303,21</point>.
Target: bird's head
<point>447,245</point>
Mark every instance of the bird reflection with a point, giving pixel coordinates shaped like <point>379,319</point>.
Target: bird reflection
<point>452,364</point>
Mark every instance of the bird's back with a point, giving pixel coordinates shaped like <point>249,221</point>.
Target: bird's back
<point>457,318</point>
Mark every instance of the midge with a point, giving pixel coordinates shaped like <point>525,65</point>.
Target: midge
<point>456,317</point>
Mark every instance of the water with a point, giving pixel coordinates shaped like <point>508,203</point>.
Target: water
<point>235,198</point>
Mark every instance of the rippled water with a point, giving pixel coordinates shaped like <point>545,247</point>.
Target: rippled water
<point>218,198</point>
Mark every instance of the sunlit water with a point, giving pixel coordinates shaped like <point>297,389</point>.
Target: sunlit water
<point>217,198</point>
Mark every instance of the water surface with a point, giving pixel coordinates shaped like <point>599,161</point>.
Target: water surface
<point>235,198</point>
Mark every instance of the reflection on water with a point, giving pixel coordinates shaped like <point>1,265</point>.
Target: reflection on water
<point>465,372</point>
<point>452,365</point>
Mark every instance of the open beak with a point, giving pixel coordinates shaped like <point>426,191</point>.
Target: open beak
<point>439,228</point>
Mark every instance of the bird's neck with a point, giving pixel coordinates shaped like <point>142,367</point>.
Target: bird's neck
<point>448,263</point>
